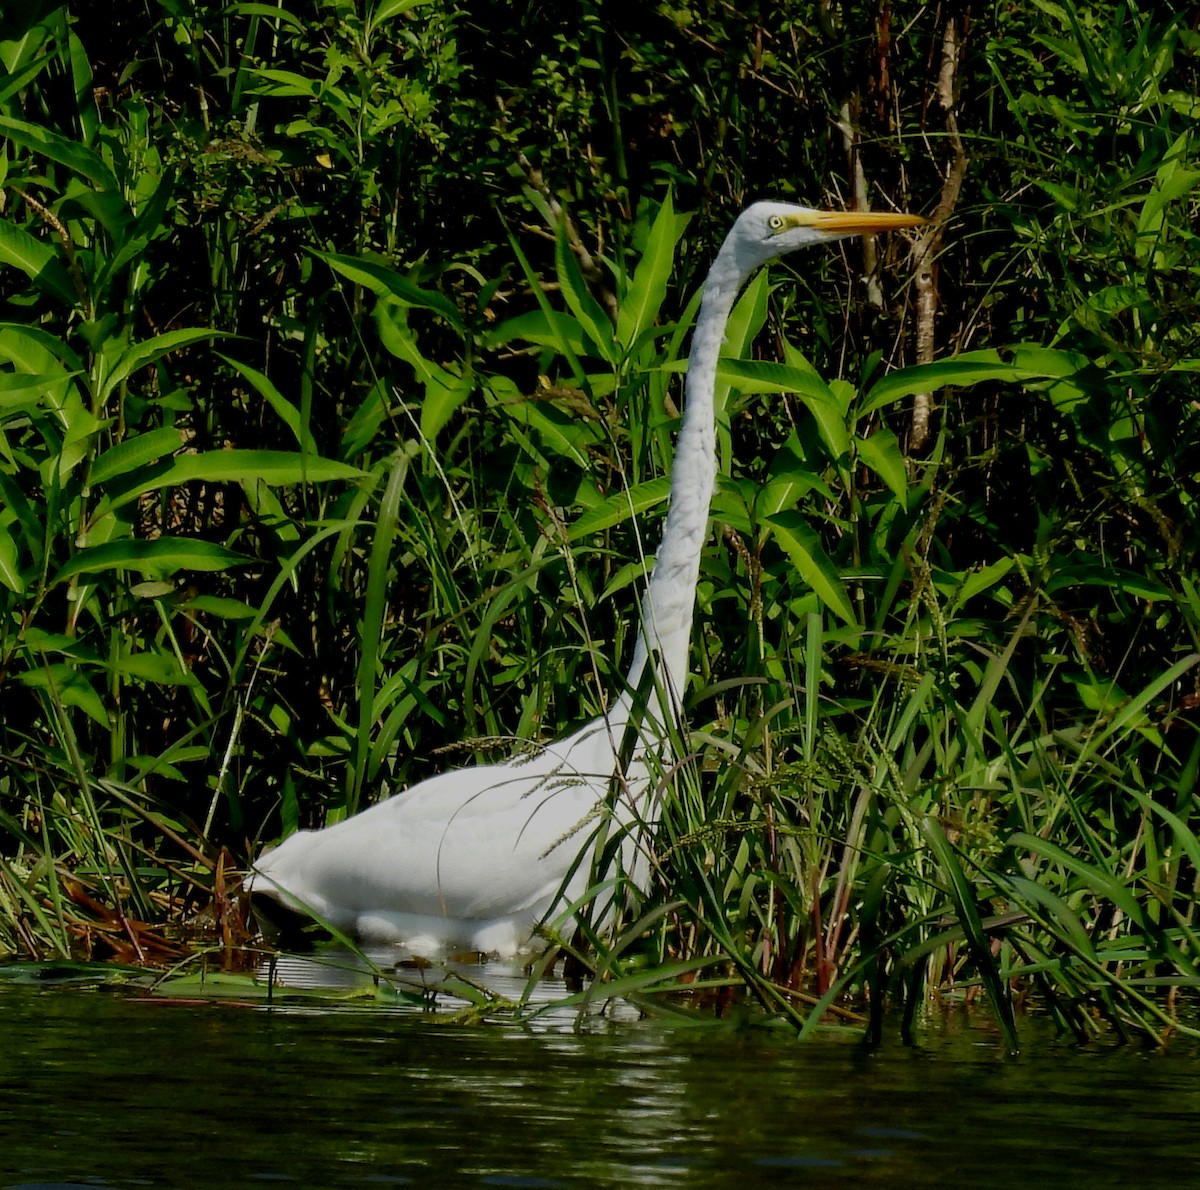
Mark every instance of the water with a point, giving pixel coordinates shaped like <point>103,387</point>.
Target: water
<point>98,1089</point>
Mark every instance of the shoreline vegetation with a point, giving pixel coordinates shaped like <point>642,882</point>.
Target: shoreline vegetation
<point>339,374</point>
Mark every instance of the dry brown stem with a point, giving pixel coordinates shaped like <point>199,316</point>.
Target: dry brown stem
<point>928,246</point>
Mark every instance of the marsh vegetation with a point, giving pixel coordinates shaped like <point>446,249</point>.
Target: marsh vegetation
<point>338,378</point>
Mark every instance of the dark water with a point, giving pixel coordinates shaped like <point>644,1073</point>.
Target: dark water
<point>100,1090</point>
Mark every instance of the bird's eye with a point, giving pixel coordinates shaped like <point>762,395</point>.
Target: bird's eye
<point>775,222</point>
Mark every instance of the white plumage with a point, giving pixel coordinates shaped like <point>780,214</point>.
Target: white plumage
<point>479,857</point>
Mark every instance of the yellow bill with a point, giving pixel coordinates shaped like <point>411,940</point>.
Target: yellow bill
<point>856,222</point>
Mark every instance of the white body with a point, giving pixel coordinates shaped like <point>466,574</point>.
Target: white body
<point>479,857</point>
<point>475,858</point>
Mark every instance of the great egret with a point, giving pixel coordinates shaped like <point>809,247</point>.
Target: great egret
<point>479,857</point>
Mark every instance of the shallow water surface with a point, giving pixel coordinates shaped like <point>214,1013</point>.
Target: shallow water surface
<point>99,1089</point>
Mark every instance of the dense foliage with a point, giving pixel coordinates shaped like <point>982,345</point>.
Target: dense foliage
<point>340,341</point>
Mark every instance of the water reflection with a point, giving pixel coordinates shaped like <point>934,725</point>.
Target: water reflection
<point>98,1090</point>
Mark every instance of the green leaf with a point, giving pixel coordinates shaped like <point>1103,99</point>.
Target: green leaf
<point>620,507</point>
<point>219,605</point>
<point>390,9</point>
<point>385,282</point>
<point>544,328</point>
<point>12,84</point>
<point>75,156</point>
<point>766,376</point>
<point>791,478</point>
<point>162,556</point>
<point>37,260</point>
<point>963,897</point>
<point>141,354</point>
<point>134,453</point>
<point>283,408</point>
<point>1098,880</point>
<point>563,436</point>
<point>276,468</point>
<point>18,389</point>
<point>268,12</point>
<point>35,351</point>
<point>804,549</point>
<point>579,299</point>
<point>881,452</point>
<point>163,669</point>
<point>1131,714</point>
<point>10,564</point>
<point>445,391</point>
<point>971,367</point>
<point>644,297</point>
<point>975,582</point>
<point>69,687</point>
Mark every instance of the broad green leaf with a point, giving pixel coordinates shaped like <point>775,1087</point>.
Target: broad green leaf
<point>268,11</point>
<point>385,282</point>
<point>1185,837</point>
<point>18,389</point>
<point>275,468</point>
<point>69,687</point>
<point>15,83</point>
<point>163,669</point>
<point>1059,910</point>
<point>75,156</point>
<point>819,398</point>
<point>152,219</point>
<point>1094,574</point>
<point>445,391</point>
<point>881,452</point>
<point>35,351</point>
<point>288,83</point>
<point>1172,181</point>
<point>977,581</point>
<point>283,408</point>
<point>564,437</point>
<point>545,328</point>
<point>107,207</point>
<point>441,402</point>
<point>141,354</point>
<point>768,376</point>
<point>218,605</point>
<point>644,296</point>
<point>37,260</point>
<point>1131,714</point>
<point>579,299</point>
<point>135,453</point>
<point>620,507</point>
<point>162,556</point>
<point>804,548</point>
<point>969,368</point>
<point>791,479</point>
<point>389,9</point>
<point>31,515</point>
<point>10,563</point>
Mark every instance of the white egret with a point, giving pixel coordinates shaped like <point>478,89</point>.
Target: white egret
<point>480,857</point>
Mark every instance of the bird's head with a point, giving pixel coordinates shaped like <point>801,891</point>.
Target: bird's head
<point>766,230</point>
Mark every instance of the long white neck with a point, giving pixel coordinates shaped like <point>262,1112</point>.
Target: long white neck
<point>670,599</point>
